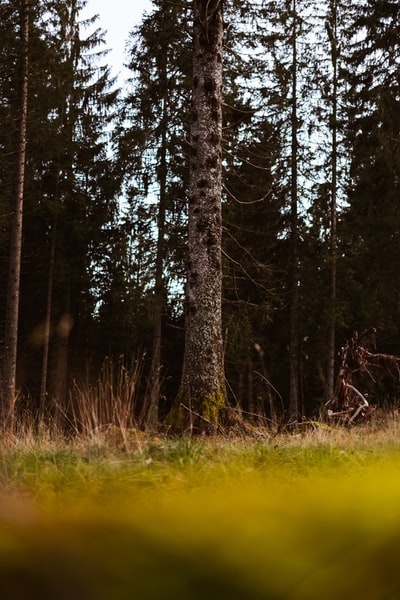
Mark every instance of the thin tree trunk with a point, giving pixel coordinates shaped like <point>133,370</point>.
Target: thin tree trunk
<point>13,291</point>
<point>47,324</point>
<point>332,31</point>
<point>293,412</point>
<point>159,288</point>
<point>63,332</point>
<point>151,418</point>
<point>202,396</point>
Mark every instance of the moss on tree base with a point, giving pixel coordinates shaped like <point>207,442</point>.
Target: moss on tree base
<point>184,418</point>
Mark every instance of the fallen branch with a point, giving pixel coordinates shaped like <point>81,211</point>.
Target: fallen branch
<point>357,359</point>
<point>358,393</point>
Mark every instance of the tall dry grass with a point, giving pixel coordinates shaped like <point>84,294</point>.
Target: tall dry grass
<point>109,412</point>
<point>104,410</point>
<point>111,404</point>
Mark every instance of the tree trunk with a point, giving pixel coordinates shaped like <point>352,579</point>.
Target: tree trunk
<point>332,32</point>
<point>13,291</point>
<point>293,412</point>
<point>64,328</point>
<point>47,324</point>
<point>151,418</point>
<point>202,396</point>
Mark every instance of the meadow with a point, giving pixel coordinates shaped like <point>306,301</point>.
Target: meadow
<point>306,515</point>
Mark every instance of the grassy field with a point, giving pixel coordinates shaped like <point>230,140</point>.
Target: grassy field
<point>307,516</point>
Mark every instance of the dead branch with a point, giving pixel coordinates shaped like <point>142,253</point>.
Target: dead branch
<point>348,403</point>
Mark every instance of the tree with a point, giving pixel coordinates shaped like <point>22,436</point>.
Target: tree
<point>202,397</point>
<point>371,222</point>
<point>293,410</point>
<point>13,291</point>
<point>152,146</point>
<point>70,188</point>
<point>252,223</point>
<point>332,30</point>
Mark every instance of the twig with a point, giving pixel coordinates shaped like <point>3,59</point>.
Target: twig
<point>357,412</point>
<point>214,425</point>
<point>269,383</point>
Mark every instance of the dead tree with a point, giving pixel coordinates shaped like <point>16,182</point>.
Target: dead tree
<point>348,404</point>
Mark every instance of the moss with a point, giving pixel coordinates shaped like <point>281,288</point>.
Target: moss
<point>206,417</point>
<point>213,405</point>
<point>176,419</point>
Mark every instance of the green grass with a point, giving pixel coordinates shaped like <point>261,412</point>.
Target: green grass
<point>299,517</point>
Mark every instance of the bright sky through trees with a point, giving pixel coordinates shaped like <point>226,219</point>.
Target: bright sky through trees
<point>117,17</point>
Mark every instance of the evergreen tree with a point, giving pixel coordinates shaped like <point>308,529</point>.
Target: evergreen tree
<point>289,60</point>
<point>70,193</point>
<point>85,198</point>
<point>13,290</point>
<point>322,279</point>
<point>332,30</point>
<point>252,222</point>
<point>152,141</point>
<point>165,83</point>
<point>202,397</point>
<point>253,214</point>
<point>371,222</point>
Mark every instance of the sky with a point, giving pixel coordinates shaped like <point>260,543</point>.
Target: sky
<point>117,17</point>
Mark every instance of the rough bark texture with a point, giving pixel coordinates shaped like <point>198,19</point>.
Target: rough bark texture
<point>13,291</point>
<point>202,394</point>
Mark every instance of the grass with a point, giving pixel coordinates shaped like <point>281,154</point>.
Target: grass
<point>306,516</point>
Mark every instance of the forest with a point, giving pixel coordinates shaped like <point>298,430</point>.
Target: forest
<point>95,178</point>
<point>200,302</point>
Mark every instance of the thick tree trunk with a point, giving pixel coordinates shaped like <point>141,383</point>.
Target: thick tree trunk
<point>202,396</point>
<point>13,291</point>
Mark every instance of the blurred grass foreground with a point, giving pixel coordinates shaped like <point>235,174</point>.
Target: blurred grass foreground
<point>312,517</point>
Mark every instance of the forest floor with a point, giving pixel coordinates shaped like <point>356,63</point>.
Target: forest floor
<point>306,515</point>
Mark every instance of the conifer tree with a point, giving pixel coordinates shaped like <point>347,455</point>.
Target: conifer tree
<point>371,221</point>
<point>152,148</point>
<point>13,290</point>
<point>288,56</point>
<point>70,189</point>
<point>253,213</point>
<point>84,199</point>
<point>202,398</point>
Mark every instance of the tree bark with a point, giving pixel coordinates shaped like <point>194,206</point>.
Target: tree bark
<point>47,324</point>
<point>293,411</point>
<point>202,396</point>
<point>332,32</point>
<point>151,418</point>
<point>13,291</point>
<point>154,387</point>
<point>64,328</point>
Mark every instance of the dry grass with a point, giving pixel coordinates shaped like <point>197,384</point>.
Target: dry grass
<point>305,516</point>
<point>292,516</point>
<point>107,408</point>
